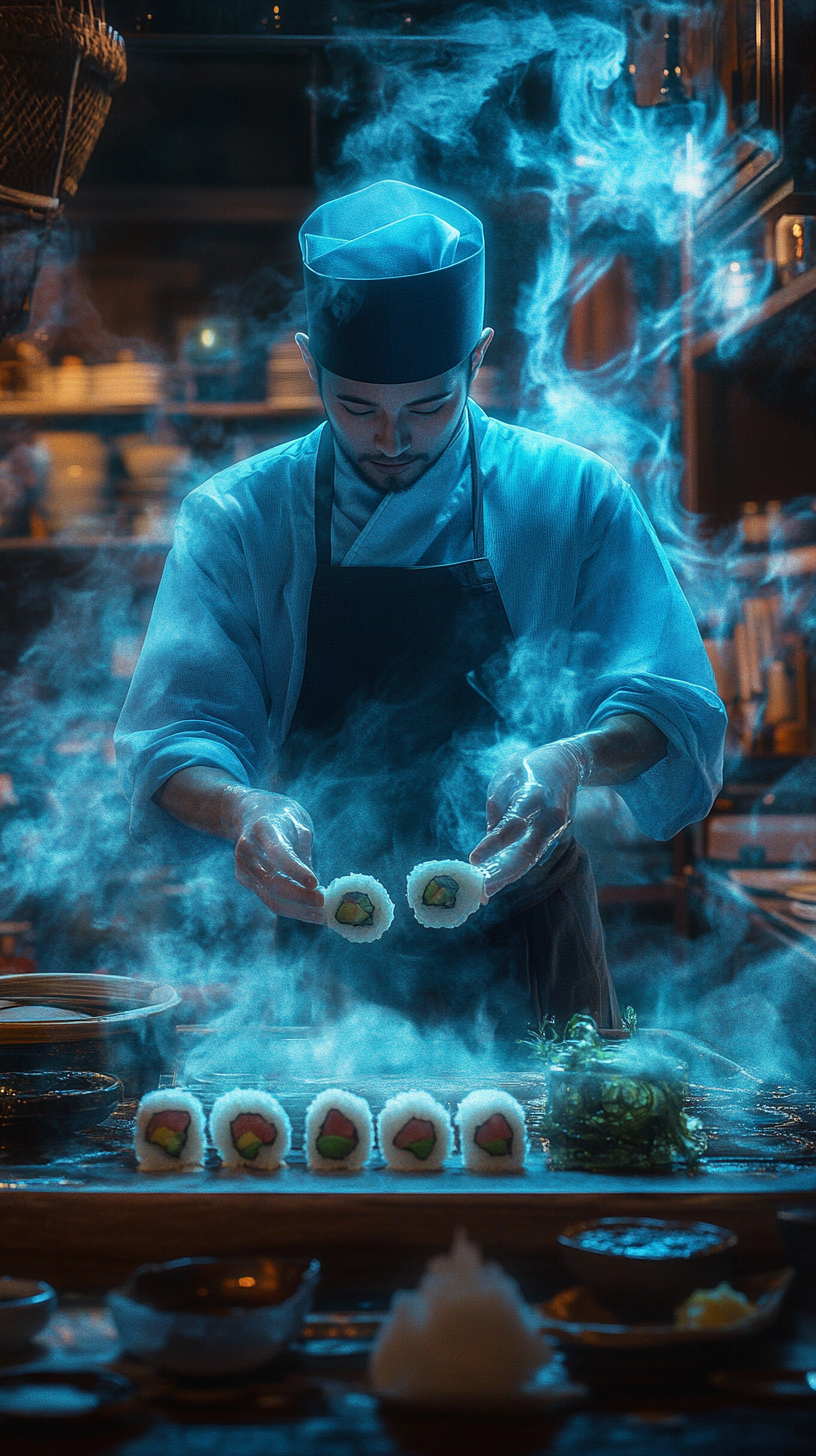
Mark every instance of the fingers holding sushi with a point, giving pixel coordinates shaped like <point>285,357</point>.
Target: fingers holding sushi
<point>444,893</point>
<point>273,854</point>
<point>358,907</point>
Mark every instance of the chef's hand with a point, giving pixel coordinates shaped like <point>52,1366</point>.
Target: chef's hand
<point>273,853</point>
<point>530,804</point>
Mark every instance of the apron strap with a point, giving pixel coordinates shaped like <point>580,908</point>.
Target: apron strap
<point>324,494</point>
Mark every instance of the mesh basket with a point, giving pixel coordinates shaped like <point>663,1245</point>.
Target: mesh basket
<point>59,64</point>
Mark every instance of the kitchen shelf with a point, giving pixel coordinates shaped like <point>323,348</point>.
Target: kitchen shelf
<point>199,409</point>
<point>86,543</point>
<point>801,291</point>
<point>776,565</point>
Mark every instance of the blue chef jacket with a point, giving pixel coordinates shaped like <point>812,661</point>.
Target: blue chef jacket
<point>600,622</point>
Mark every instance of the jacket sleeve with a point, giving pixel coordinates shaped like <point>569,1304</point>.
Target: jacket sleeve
<point>635,648</point>
<point>198,695</point>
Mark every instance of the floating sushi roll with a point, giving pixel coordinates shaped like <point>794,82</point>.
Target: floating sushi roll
<point>339,1131</point>
<point>492,1132</point>
<point>250,1129</point>
<point>169,1131</point>
<point>358,907</point>
<point>444,893</point>
<point>414,1132</point>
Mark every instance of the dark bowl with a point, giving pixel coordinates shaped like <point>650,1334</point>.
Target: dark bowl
<point>214,1316</point>
<point>682,1256</point>
<point>42,1107</point>
<point>204,1286</point>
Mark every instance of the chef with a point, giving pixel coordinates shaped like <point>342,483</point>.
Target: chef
<point>416,634</point>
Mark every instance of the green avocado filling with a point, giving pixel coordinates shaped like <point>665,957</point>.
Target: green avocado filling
<point>332,1145</point>
<point>441,892</point>
<point>498,1148</point>
<point>422,1148</point>
<point>355,909</point>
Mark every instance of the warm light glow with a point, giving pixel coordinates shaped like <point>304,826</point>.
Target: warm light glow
<point>208,338</point>
<point>247,1282</point>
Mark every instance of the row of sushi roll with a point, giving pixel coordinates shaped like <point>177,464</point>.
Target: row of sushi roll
<point>250,1129</point>
<point>443,894</point>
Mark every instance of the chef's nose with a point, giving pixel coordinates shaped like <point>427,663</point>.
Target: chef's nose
<point>391,436</point>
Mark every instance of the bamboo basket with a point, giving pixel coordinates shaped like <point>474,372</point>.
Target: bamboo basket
<point>59,64</point>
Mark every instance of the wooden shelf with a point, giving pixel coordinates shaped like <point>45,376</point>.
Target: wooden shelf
<point>84,543</point>
<point>774,307</point>
<point>201,409</point>
<point>776,565</point>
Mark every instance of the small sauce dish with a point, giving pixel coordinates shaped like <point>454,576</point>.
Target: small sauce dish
<point>647,1265</point>
<point>26,1306</point>
<point>214,1316</point>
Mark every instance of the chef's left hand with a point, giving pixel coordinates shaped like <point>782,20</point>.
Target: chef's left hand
<point>528,803</point>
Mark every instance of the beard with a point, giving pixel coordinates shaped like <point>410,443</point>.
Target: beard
<point>397,484</point>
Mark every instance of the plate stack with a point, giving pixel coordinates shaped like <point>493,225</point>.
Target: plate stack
<point>127,383</point>
<point>73,500</point>
<point>152,468</point>
<point>289,388</point>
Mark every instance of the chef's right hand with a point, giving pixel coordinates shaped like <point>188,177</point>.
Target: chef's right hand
<point>273,853</point>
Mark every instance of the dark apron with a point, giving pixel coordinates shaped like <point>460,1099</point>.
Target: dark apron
<point>387,751</point>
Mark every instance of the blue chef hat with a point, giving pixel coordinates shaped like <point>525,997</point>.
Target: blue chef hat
<point>394,283</point>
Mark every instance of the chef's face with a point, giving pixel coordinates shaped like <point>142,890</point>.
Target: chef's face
<point>393,433</point>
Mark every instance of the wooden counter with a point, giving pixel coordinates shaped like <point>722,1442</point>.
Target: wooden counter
<point>72,1225</point>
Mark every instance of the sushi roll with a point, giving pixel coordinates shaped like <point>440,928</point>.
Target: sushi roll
<point>444,893</point>
<point>169,1131</point>
<point>358,907</point>
<point>339,1131</point>
<point>492,1132</point>
<point>250,1129</point>
<point>414,1132</point>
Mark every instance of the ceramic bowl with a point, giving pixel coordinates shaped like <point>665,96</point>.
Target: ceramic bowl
<point>26,1306</point>
<point>214,1316</point>
<point>42,1107</point>
<point>647,1265</point>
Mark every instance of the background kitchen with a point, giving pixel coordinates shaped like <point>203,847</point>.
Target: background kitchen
<point>652,284</point>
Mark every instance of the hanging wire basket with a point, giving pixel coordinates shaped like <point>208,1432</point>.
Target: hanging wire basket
<point>59,64</point>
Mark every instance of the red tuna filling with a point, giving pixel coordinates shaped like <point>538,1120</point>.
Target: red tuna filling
<point>168,1130</point>
<point>418,1136</point>
<point>495,1136</point>
<point>338,1135</point>
<point>250,1132</point>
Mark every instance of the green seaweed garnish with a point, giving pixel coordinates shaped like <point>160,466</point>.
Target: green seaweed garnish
<point>441,892</point>
<point>613,1104</point>
<point>355,909</point>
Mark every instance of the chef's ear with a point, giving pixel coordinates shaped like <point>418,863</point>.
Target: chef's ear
<point>477,357</point>
<point>302,341</point>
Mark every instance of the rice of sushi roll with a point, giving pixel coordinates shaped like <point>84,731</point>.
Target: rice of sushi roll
<point>250,1129</point>
<point>414,1132</point>
<point>492,1132</point>
<point>169,1131</point>
<point>358,907</point>
<point>444,893</point>
<point>339,1131</point>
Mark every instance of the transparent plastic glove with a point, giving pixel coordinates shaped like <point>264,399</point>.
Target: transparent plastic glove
<point>273,852</point>
<point>530,805</point>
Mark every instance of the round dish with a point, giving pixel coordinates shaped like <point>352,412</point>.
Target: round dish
<point>42,1106</point>
<point>214,1316</point>
<point>26,1306</point>
<point>63,1395</point>
<point>647,1263</point>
